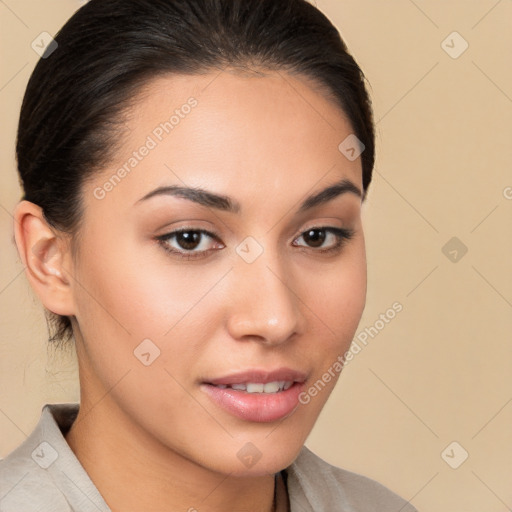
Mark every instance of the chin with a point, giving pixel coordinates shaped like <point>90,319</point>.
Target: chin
<point>246,458</point>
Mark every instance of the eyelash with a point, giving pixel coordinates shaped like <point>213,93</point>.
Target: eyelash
<point>343,235</point>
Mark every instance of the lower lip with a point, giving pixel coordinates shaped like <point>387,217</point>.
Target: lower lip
<point>256,407</point>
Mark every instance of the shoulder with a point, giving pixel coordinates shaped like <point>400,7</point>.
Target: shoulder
<point>315,485</point>
<point>43,474</point>
<point>22,479</point>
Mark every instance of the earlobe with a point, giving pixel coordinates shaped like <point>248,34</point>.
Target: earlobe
<point>45,256</point>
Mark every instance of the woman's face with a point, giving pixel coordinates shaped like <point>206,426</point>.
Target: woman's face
<point>257,290</point>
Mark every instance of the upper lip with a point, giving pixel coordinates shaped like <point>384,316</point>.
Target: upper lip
<point>259,376</point>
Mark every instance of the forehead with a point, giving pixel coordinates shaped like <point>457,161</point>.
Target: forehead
<point>228,131</point>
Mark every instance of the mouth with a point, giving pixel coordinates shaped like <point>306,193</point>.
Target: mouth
<point>259,387</point>
<point>257,396</point>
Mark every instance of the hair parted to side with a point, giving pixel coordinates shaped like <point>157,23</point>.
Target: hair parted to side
<point>75,98</point>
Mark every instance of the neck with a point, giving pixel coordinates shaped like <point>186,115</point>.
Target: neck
<point>133,471</point>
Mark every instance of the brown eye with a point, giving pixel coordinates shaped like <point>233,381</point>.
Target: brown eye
<point>315,238</point>
<point>188,240</point>
<point>188,243</point>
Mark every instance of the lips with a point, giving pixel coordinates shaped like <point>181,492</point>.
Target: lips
<point>259,376</point>
<point>255,395</point>
<point>260,387</point>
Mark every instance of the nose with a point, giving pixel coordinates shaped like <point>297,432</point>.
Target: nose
<point>264,305</point>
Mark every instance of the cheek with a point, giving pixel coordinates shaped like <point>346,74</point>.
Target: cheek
<point>132,295</point>
<point>336,312</point>
<point>339,295</point>
<point>135,291</point>
<point>337,303</point>
<point>129,306</point>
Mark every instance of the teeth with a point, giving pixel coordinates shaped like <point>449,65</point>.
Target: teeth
<point>256,387</point>
<point>271,387</point>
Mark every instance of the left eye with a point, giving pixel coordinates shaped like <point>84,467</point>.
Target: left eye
<point>190,243</point>
<point>317,236</point>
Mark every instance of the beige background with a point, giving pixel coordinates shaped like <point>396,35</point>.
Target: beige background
<point>441,370</point>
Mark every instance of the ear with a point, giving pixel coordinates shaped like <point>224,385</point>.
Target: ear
<point>46,257</point>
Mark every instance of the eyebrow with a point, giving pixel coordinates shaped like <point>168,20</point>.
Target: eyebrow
<point>227,204</point>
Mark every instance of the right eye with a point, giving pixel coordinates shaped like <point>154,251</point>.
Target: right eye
<point>188,243</point>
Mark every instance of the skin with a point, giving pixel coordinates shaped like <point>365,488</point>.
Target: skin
<point>148,435</point>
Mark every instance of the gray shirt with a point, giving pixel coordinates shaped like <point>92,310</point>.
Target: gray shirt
<point>44,475</point>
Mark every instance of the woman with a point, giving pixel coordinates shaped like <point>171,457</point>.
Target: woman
<point>193,174</point>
